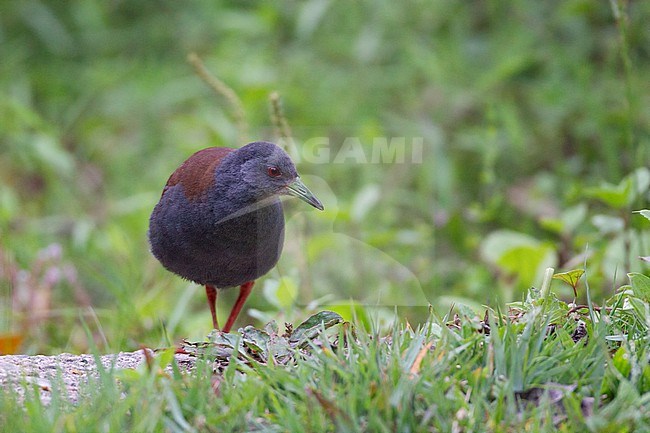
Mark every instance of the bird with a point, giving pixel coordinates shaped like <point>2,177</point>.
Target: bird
<point>220,222</point>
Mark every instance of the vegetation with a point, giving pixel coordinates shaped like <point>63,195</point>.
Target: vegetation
<point>542,368</point>
<point>534,129</point>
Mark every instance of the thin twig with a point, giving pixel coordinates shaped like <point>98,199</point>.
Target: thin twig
<point>281,126</point>
<point>586,307</point>
<point>221,88</point>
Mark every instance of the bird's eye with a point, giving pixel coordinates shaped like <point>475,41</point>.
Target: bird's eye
<point>274,172</point>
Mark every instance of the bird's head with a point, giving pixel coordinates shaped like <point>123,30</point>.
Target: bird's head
<point>268,170</point>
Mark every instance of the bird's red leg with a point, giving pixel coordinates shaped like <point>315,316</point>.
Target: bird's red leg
<point>211,293</point>
<point>244,290</point>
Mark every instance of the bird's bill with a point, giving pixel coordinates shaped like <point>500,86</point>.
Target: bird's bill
<point>298,189</point>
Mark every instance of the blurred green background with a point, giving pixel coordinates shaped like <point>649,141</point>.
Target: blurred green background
<point>534,119</point>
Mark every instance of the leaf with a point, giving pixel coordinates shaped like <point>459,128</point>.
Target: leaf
<point>615,196</point>
<point>311,327</point>
<point>256,341</point>
<point>644,212</point>
<point>497,243</point>
<point>623,194</point>
<point>518,254</point>
<point>528,261</point>
<point>570,277</point>
<point>608,224</point>
<point>552,224</point>
<point>265,345</point>
<point>621,362</point>
<point>640,285</point>
<point>271,328</point>
<point>352,311</point>
<point>220,345</point>
<point>279,349</point>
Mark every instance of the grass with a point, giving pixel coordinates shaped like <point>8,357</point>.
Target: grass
<point>531,370</point>
<point>100,105</point>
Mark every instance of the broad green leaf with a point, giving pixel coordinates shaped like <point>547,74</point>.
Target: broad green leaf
<point>615,196</point>
<point>626,288</point>
<point>221,345</point>
<point>254,338</point>
<point>518,254</point>
<point>640,285</point>
<point>312,326</point>
<point>644,212</point>
<point>623,194</point>
<point>352,311</point>
<point>527,262</point>
<point>570,277</point>
<point>499,242</point>
<point>638,305</point>
<point>552,224</point>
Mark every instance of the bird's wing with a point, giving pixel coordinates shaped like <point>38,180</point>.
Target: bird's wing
<point>196,174</point>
